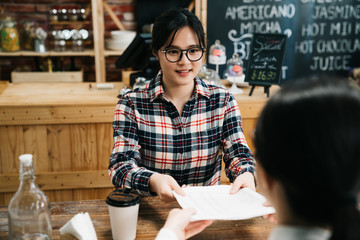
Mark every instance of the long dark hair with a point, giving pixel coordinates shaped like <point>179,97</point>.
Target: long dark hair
<point>308,137</point>
<point>169,22</point>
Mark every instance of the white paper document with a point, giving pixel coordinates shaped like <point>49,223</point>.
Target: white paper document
<point>216,203</point>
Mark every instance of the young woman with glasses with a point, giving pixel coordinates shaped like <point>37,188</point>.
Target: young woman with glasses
<point>176,130</point>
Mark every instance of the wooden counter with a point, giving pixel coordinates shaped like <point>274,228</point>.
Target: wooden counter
<point>152,216</point>
<point>68,129</point>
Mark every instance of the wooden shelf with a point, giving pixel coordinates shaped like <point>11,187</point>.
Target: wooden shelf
<point>90,53</point>
<point>69,22</point>
<point>108,53</point>
<point>98,52</point>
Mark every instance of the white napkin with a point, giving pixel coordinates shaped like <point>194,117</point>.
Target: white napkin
<point>80,226</point>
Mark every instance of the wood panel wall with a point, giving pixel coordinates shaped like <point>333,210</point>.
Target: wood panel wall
<point>70,160</point>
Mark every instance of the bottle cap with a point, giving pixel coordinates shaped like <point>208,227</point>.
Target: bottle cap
<point>124,197</point>
<point>26,159</point>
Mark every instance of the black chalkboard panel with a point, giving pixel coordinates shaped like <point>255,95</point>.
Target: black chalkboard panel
<point>323,36</point>
<point>265,60</point>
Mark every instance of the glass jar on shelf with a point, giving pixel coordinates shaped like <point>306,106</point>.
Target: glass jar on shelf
<point>54,15</point>
<point>235,73</point>
<point>81,14</point>
<point>59,41</point>
<point>63,15</point>
<point>73,16</point>
<point>77,41</point>
<point>27,34</point>
<point>9,35</point>
<point>217,54</point>
<point>234,69</point>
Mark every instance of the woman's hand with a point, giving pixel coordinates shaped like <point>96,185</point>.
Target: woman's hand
<point>271,217</point>
<point>244,180</point>
<point>163,185</point>
<point>179,222</point>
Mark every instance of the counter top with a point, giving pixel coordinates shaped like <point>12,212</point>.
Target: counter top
<point>58,94</point>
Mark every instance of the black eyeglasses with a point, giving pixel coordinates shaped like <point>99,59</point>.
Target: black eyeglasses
<point>175,54</point>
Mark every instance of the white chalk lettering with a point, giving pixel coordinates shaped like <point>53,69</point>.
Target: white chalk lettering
<point>333,12</point>
<point>357,28</point>
<point>283,72</point>
<point>304,47</point>
<point>313,29</point>
<point>338,46</point>
<point>260,12</point>
<point>340,28</point>
<point>241,44</point>
<point>330,63</point>
<point>260,27</point>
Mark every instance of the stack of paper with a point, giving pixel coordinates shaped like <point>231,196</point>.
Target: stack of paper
<point>216,203</point>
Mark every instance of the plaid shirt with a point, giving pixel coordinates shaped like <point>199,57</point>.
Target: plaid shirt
<point>150,136</point>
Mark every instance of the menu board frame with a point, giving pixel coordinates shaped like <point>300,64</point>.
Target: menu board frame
<point>265,59</point>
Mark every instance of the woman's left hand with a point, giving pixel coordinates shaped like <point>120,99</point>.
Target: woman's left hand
<point>179,222</point>
<point>244,180</point>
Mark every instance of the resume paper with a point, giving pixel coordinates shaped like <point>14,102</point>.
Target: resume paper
<point>216,203</point>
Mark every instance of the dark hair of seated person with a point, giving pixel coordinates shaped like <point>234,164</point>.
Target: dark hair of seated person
<point>315,122</point>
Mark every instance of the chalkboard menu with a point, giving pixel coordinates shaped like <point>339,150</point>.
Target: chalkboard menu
<point>265,60</point>
<point>322,35</point>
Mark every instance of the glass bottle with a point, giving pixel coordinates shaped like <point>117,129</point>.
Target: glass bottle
<point>29,208</point>
<point>9,35</point>
<point>53,15</point>
<point>63,16</point>
<point>59,42</point>
<point>77,41</point>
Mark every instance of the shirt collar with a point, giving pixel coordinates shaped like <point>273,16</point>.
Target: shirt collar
<point>156,88</point>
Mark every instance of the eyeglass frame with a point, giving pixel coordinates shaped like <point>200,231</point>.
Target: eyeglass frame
<point>203,50</point>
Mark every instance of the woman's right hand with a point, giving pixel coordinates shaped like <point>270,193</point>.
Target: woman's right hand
<point>163,185</point>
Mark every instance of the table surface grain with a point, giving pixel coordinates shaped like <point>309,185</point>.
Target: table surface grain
<point>152,216</point>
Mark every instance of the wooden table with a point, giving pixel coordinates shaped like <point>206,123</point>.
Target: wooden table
<point>152,216</point>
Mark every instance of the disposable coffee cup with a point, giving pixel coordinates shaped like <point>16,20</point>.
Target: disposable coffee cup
<point>123,210</point>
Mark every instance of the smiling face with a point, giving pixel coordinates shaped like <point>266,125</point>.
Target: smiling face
<point>183,72</point>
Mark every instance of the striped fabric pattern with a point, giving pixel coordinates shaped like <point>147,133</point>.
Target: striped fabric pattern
<point>150,136</point>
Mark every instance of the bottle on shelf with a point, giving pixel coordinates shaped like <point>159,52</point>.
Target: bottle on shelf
<point>217,55</point>
<point>9,35</point>
<point>63,16</point>
<point>54,15</point>
<point>29,208</point>
<point>59,41</point>
<point>77,41</point>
